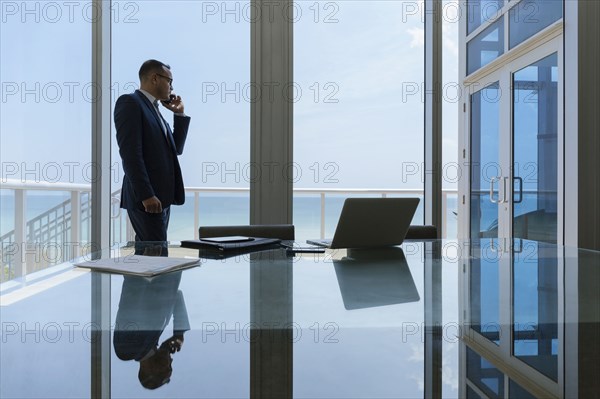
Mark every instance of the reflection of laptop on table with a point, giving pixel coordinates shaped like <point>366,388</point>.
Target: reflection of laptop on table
<point>372,222</point>
<point>375,277</point>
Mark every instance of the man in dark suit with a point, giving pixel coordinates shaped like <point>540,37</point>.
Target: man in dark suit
<point>149,150</point>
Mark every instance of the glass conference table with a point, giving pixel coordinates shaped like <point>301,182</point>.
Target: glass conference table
<point>427,319</point>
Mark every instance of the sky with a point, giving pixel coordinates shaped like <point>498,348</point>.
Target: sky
<point>358,86</point>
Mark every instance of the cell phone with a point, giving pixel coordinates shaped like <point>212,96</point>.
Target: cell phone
<point>171,98</point>
<point>314,250</point>
<point>294,246</point>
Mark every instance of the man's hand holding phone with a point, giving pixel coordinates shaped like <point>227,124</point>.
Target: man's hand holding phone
<point>174,104</point>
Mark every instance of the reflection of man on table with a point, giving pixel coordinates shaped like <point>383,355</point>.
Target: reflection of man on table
<point>145,309</point>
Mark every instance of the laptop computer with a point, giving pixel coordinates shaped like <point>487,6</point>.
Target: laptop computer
<point>375,277</point>
<point>371,222</point>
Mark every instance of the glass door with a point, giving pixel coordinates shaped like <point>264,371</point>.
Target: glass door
<point>486,170</point>
<point>535,150</point>
<point>515,138</point>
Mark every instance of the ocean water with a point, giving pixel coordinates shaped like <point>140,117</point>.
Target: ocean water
<point>307,215</point>
<point>213,210</point>
<point>35,205</point>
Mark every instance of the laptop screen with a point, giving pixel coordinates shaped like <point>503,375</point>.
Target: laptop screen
<point>374,222</point>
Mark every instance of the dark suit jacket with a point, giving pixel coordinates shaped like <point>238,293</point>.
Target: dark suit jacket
<point>149,158</point>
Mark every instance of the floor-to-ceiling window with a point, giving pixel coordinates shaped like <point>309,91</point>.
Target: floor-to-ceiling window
<point>46,98</point>
<point>207,45</point>
<point>367,104</point>
<point>45,134</point>
<point>453,167</point>
<point>358,118</point>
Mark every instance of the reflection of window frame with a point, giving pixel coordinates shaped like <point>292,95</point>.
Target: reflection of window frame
<point>480,45</point>
<point>476,376</point>
<point>503,15</point>
<point>521,11</point>
<point>547,302</point>
<point>502,356</point>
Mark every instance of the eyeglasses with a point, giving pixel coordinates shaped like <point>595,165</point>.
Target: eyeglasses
<point>166,77</point>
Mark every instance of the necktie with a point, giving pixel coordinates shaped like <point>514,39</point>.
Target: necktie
<point>163,123</point>
<point>164,126</point>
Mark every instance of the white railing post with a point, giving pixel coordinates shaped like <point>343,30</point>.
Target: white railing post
<point>322,215</point>
<point>19,266</point>
<point>75,224</point>
<point>444,214</point>
<point>116,232</point>
<point>196,214</point>
<point>129,230</point>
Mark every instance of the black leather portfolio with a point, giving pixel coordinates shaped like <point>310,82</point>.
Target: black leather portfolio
<point>224,245</point>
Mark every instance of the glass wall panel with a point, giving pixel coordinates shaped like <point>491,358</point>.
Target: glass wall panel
<point>7,224</point>
<point>358,113</point>
<point>45,133</point>
<point>208,50</point>
<point>46,100</point>
<point>452,171</point>
<point>486,46</point>
<point>535,151</point>
<point>480,11</point>
<point>485,163</point>
<point>531,16</point>
<point>535,307</point>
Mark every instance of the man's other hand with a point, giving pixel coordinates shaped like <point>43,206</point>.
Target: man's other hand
<point>152,205</point>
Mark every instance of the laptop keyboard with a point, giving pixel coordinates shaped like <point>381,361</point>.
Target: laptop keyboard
<point>324,242</point>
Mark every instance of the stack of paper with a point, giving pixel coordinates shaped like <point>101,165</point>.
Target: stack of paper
<point>139,265</point>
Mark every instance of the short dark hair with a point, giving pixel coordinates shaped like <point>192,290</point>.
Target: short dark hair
<point>151,66</point>
<point>156,370</point>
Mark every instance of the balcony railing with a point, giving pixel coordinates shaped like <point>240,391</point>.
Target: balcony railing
<point>65,229</point>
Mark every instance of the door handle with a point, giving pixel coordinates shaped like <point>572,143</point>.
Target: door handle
<point>520,180</point>
<point>504,185</point>
<point>492,181</point>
